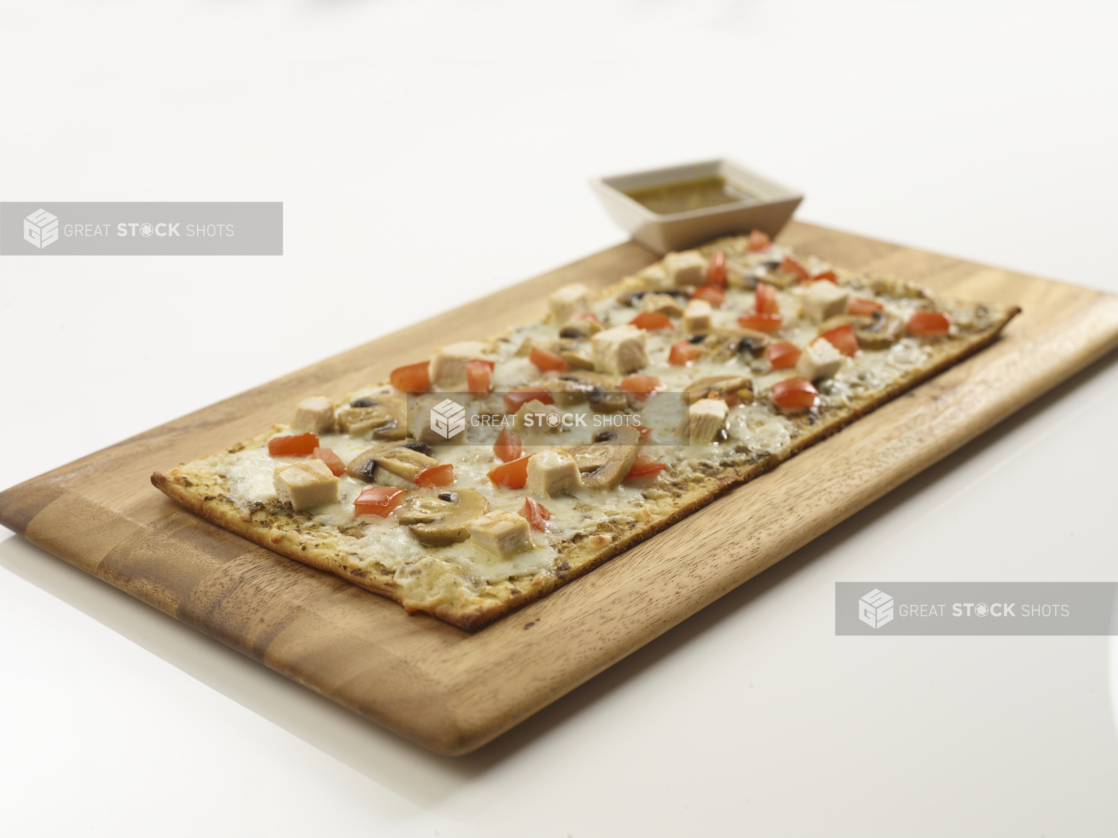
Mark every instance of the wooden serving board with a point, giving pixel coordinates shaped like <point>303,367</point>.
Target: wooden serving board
<point>451,691</point>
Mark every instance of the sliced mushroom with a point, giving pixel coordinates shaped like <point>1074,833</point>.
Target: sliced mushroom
<point>589,378</point>
<point>670,305</point>
<point>569,390</point>
<point>404,459</point>
<point>364,465</point>
<point>597,390</point>
<point>751,346</point>
<point>602,400</point>
<point>882,331</point>
<point>580,328</point>
<point>384,416</point>
<point>404,462</point>
<point>635,298</point>
<point>858,321</point>
<point>773,276</point>
<point>738,388</point>
<point>759,338</point>
<point>899,288</point>
<point>589,457</point>
<point>605,462</point>
<point>739,276</point>
<point>441,520</point>
<point>725,344</point>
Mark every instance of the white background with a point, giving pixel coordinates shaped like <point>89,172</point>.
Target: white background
<point>430,152</point>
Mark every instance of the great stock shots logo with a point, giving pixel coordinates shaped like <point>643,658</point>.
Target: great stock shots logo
<point>141,228</point>
<point>448,418</point>
<point>976,608</point>
<point>875,609</point>
<point>40,228</point>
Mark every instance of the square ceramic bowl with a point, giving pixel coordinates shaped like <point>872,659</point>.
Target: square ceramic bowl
<point>762,204</point>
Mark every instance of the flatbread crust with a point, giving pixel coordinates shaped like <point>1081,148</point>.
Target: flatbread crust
<point>203,491</point>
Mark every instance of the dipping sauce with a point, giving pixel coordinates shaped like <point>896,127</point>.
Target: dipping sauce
<point>685,195</point>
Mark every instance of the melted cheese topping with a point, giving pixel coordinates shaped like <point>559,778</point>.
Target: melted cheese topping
<point>757,428</point>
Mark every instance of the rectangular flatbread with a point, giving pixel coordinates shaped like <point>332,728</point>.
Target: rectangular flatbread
<point>497,470</point>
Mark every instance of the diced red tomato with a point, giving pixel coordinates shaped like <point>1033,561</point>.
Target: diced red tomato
<point>929,324</point>
<point>587,315</point>
<point>829,276</point>
<point>794,393</point>
<point>766,300</point>
<point>862,306</point>
<point>332,460</point>
<point>711,293</point>
<point>792,266</point>
<point>645,467</point>
<point>683,353</point>
<point>479,374</point>
<point>716,270</point>
<point>842,338</point>
<point>650,321</point>
<point>414,378</point>
<point>783,355</point>
<point>431,478</point>
<point>645,433</point>
<point>538,517</point>
<point>508,446</point>
<point>759,241</point>
<point>299,445</point>
<point>761,322</point>
<point>510,475</point>
<point>547,361</point>
<point>378,500</point>
<point>641,386</point>
<point>515,399</point>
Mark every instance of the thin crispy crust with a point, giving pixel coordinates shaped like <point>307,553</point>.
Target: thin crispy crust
<point>297,537</point>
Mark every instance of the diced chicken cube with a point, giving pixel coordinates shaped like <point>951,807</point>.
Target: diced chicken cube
<point>501,533</point>
<point>448,365</point>
<point>620,350</point>
<point>552,472</point>
<point>314,415</point>
<point>437,421</point>
<point>569,301</point>
<point>704,420</point>
<point>686,268</point>
<point>534,415</point>
<point>306,485</point>
<point>697,317</point>
<point>820,359</point>
<point>824,299</point>
<point>662,304</point>
<point>739,275</point>
<point>384,417</point>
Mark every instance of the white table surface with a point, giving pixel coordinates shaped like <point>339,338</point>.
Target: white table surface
<point>431,152</point>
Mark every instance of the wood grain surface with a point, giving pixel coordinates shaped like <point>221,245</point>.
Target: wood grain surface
<point>452,691</point>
